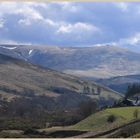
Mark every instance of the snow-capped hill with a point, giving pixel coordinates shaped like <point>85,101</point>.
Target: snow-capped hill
<point>96,62</point>
<point>9,48</point>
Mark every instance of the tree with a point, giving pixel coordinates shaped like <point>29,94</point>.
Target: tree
<point>98,90</point>
<point>86,89</point>
<point>132,90</point>
<point>93,91</point>
<point>87,107</point>
<point>135,114</point>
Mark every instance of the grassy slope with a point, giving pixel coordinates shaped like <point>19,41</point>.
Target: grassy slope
<point>99,122</point>
<point>17,76</point>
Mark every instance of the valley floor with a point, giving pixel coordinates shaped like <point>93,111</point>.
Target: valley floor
<point>125,123</point>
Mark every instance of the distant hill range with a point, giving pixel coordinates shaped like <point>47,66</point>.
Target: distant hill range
<point>19,79</point>
<point>88,62</point>
<point>120,83</point>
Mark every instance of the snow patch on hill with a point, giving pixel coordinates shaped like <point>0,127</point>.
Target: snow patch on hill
<point>9,48</point>
<point>30,52</point>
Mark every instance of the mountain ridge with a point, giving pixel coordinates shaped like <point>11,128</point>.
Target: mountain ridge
<point>97,62</point>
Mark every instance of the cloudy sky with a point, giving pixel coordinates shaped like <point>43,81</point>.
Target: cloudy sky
<point>70,24</point>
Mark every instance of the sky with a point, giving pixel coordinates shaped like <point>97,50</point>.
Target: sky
<point>70,23</point>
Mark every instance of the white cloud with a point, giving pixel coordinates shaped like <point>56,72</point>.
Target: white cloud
<point>51,22</point>
<point>7,41</point>
<point>68,6</point>
<point>105,44</point>
<point>133,40</point>
<point>69,22</point>
<point>26,10</point>
<point>36,17</point>
<point>122,5</point>
<point>77,27</point>
<point>37,4</point>
<point>30,15</point>
<point>7,8</point>
<point>1,23</point>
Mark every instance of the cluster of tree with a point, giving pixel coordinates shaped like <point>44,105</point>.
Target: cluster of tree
<point>91,90</point>
<point>87,108</point>
<point>35,112</point>
<point>132,90</point>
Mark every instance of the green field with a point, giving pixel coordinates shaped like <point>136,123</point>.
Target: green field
<point>99,121</point>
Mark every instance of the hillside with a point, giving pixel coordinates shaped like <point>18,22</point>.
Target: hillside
<point>119,83</point>
<point>32,97</point>
<point>22,79</point>
<point>89,62</point>
<point>98,121</point>
<point>97,125</point>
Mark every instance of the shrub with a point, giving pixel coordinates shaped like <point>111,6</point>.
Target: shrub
<point>31,131</point>
<point>111,118</point>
